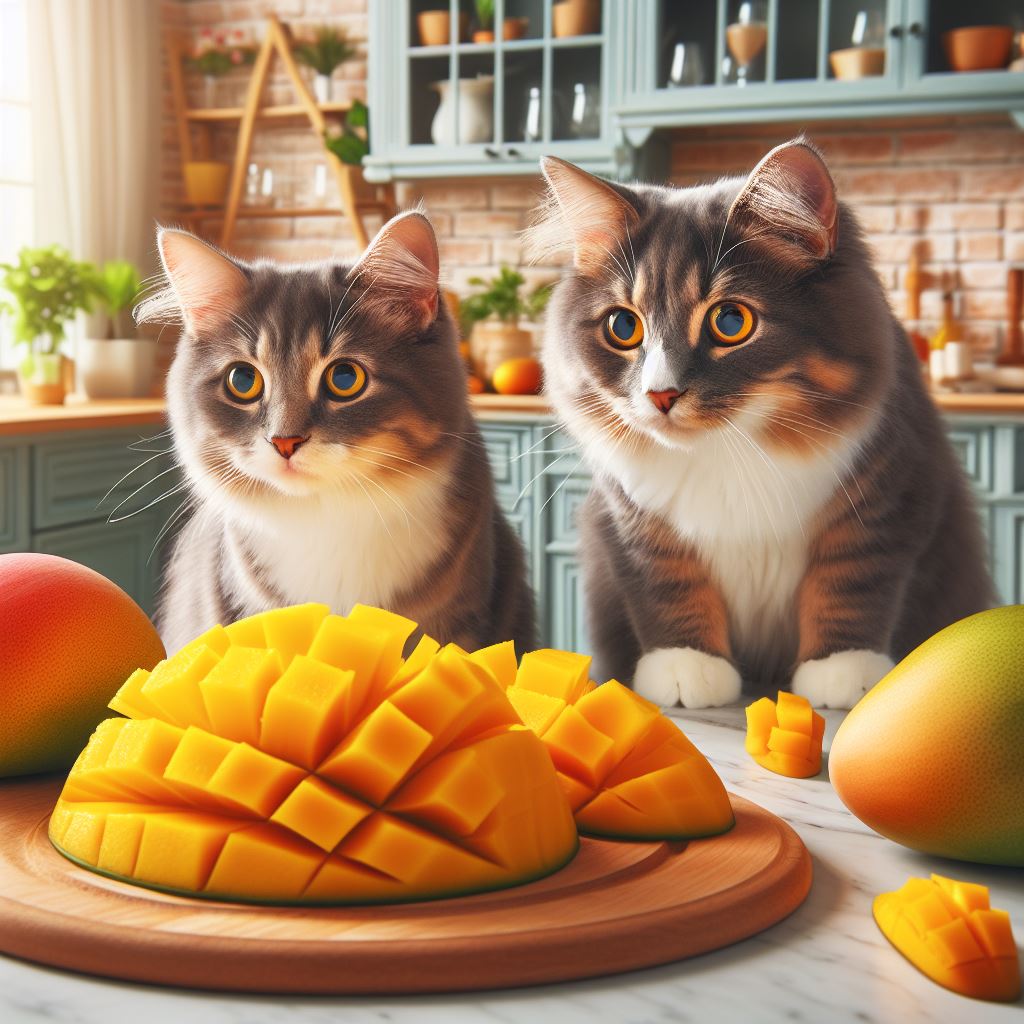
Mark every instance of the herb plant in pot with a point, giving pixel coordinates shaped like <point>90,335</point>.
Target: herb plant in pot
<point>45,289</point>
<point>121,364</point>
<point>490,319</point>
<point>327,49</point>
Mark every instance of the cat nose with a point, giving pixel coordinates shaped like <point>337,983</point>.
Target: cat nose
<point>287,446</point>
<point>663,400</point>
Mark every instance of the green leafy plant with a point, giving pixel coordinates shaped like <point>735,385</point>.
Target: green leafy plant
<point>500,297</point>
<point>350,141</point>
<point>217,53</point>
<point>485,14</point>
<point>328,48</point>
<point>117,285</point>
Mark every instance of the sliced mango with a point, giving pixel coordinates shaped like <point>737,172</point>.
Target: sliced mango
<point>626,770</point>
<point>785,736</point>
<point>325,768</point>
<point>948,930</point>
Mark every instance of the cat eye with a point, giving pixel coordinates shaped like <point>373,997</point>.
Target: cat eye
<point>731,323</point>
<point>623,329</point>
<point>244,383</point>
<point>344,380</point>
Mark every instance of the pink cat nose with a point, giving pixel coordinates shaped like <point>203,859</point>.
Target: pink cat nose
<point>287,446</point>
<point>663,400</point>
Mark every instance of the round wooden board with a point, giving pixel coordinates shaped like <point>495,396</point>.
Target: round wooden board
<point>615,907</point>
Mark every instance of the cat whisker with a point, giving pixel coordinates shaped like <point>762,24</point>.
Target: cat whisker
<point>138,490</point>
<point>380,465</point>
<point>565,480</point>
<point>532,448</point>
<point>400,458</point>
<point>762,492</point>
<point>534,479</point>
<point>134,469</point>
<point>168,524</point>
<point>176,489</point>
<point>376,509</point>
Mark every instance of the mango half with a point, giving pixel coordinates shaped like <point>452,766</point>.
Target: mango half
<point>933,756</point>
<point>627,770</point>
<point>297,757</point>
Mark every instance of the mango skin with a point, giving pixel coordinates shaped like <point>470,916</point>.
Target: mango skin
<point>69,638</point>
<point>933,756</point>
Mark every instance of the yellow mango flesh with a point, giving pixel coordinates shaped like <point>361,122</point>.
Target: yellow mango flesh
<point>626,770</point>
<point>947,930</point>
<point>296,756</point>
<point>785,736</point>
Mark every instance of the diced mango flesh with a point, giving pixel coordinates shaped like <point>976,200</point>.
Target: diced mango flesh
<point>785,736</point>
<point>296,757</point>
<point>626,770</point>
<point>947,930</point>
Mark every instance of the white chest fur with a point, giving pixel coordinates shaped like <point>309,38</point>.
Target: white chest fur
<point>750,514</point>
<point>350,546</point>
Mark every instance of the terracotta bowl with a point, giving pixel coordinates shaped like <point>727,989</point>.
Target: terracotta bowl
<point>858,62</point>
<point>515,28</point>
<point>979,48</point>
<point>435,27</point>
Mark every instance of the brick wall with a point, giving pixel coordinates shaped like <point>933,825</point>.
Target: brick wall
<point>953,189</point>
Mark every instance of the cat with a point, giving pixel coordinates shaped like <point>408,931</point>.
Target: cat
<point>320,414</point>
<point>774,497</point>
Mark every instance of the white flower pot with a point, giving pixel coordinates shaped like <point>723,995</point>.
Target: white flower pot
<point>322,88</point>
<point>116,368</point>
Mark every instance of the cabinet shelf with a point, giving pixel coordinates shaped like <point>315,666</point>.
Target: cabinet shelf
<point>509,46</point>
<point>285,110</point>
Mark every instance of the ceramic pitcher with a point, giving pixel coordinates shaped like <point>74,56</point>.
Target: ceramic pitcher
<point>475,111</point>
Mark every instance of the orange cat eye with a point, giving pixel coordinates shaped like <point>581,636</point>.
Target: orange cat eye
<point>243,382</point>
<point>344,380</point>
<point>730,323</point>
<point>623,329</point>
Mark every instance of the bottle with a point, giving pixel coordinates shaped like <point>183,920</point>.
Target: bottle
<point>937,346</point>
<point>912,286</point>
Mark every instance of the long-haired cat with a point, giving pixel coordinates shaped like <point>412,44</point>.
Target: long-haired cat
<point>320,414</point>
<point>774,497</point>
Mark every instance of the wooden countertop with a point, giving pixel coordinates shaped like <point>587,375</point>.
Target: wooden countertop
<point>18,417</point>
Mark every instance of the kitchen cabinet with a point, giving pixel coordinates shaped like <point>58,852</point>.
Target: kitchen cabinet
<point>791,79</point>
<point>542,482</point>
<point>52,500</point>
<point>505,103</point>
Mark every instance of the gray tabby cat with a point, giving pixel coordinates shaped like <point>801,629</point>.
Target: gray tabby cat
<point>774,498</point>
<point>320,414</point>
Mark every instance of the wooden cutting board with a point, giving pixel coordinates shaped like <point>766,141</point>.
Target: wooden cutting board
<point>615,907</point>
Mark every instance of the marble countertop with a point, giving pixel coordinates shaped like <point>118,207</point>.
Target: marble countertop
<point>826,962</point>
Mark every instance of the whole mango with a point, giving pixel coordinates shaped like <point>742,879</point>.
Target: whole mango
<point>933,756</point>
<point>69,638</point>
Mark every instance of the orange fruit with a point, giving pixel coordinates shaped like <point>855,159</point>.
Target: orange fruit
<point>517,377</point>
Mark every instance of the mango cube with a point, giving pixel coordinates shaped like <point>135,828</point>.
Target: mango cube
<point>785,736</point>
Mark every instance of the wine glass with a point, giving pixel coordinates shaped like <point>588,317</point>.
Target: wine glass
<point>687,65</point>
<point>747,37</point>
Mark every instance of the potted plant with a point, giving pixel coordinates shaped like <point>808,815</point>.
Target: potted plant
<point>119,365</point>
<point>46,289</point>
<point>485,21</point>
<point>490,319</point>
<point>349,141</point>
<point>328,48</point>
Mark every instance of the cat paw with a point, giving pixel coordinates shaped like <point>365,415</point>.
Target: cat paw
<point>841,679</point>
<point>682,675</point>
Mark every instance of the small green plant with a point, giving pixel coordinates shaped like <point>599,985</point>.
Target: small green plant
<point>327,49</point>
<point>117,285</point>
<point>500,297</point>
<point>485,14</point>
<point>350,141</point>
<point>217,53</point>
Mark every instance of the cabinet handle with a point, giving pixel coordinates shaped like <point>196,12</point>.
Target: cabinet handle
<point>916,29</point>
<point>896,31</point>
<point>491,152</point>
<point>513,152</point>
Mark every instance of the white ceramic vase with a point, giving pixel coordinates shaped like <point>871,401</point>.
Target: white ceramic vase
<point>322,88</point>
<point>475,112</point>
<point>116,367</point>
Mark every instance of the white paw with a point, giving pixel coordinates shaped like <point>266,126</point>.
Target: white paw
<point>841,679</point>
<point>681,675</point>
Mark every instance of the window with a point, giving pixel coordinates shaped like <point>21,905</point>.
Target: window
<point>16,149</point>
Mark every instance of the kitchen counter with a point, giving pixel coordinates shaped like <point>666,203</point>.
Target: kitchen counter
<point>826,962</point>
<point>18,417</point>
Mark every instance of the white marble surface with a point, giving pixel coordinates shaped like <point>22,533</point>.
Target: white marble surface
<point>827,962</point>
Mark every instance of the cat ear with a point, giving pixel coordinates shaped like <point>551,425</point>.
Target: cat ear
<point>791,195</point>
<point>206,286</point>
<point>584,213</point>
<point>402,264</point>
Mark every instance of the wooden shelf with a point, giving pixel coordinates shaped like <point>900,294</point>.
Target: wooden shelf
<point>208,114</point>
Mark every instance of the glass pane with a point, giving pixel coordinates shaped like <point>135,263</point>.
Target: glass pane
<point>856,39</point>
<point>13,38</point>
<point>16,151</point>
<point>524,19</point>
<point>746,41</point>
<point>15,220</point>
<point>431,23</point>
<point>796,42</point>
<point>576,100</point>
<point>686,44</point>
<point>450,114</point>
<point>428,77</point>
<point>524,105</point>
<point>975,51</point>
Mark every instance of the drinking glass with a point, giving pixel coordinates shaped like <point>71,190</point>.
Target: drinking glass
<point>687,65</point>
<point>747,37</point>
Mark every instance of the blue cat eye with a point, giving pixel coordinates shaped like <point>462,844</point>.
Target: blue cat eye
<point>344,380</point>
<point>623,329</point>
<point>243,382</point>
<point>731,322</point>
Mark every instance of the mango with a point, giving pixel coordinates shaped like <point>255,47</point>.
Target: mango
<point>296,757</point>
<point>933,756</point>
<point>785,736</point>
<point>68,639</point>
<point>947,930</point>
<point>627,770</point>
